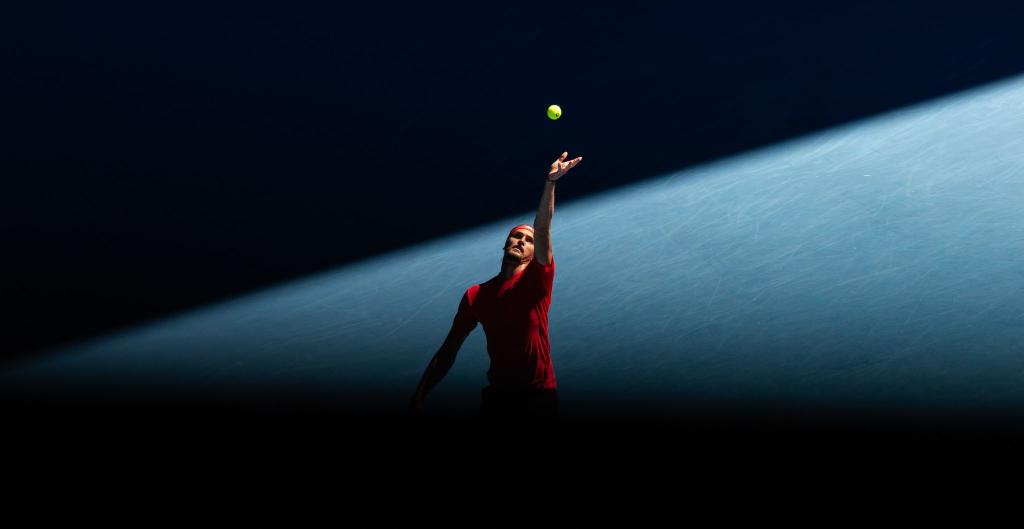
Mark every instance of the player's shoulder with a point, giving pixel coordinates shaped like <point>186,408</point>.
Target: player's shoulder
<point>549,266</point>
<point>537,271</point>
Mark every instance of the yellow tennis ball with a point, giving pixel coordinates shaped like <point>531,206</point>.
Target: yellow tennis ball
<point>554,112</point>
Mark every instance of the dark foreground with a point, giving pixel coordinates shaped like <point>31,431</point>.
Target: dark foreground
<point>366,439</point>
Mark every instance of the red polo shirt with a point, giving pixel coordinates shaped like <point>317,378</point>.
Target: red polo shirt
<point>514,314</point>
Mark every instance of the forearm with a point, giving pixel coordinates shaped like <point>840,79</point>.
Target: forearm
<point>546,209</point>
<point>435,372</point>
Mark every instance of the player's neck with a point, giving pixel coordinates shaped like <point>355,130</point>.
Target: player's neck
<point>511,267</point>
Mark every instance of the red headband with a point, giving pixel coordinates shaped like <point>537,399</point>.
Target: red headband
<point>521,226</point>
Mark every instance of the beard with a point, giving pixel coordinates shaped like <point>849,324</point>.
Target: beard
<point>514,254</point>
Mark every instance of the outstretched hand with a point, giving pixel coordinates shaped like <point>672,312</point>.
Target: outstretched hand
<point>560,166</point>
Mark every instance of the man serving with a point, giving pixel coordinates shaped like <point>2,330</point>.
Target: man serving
<point>513,309</point>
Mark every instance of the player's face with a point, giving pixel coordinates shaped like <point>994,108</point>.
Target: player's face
<point>520,245</point>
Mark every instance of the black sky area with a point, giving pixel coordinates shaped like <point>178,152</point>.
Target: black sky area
<point>160,157</point>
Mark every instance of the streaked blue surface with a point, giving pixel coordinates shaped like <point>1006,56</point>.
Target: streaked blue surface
<point>873,265</point>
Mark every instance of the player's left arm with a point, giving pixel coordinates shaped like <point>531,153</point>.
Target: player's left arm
<point>542,223</point>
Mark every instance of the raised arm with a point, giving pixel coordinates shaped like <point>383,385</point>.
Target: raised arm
<point>542,223</point>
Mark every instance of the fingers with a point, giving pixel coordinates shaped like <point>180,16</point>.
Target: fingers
<point>563,165</point>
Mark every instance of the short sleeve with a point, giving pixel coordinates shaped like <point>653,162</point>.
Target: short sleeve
<point>542,276</point>
<point>464,321</point>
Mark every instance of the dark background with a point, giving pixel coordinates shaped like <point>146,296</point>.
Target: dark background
<point>160,157</point>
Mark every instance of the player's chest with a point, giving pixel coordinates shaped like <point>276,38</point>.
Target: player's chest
<point>502,301</point>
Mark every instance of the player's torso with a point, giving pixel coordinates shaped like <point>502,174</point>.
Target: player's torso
<point>511,306</point>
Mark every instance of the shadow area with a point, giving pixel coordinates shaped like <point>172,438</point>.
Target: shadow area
<point>308,439</point>
<point>375,424</point>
